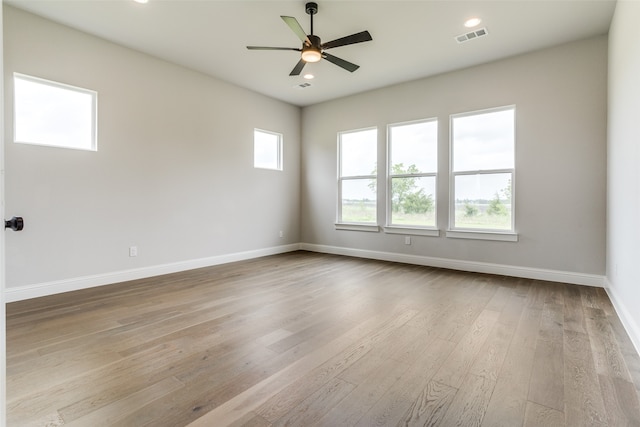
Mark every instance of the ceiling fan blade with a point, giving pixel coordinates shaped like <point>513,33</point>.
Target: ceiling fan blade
<point>298,68</point>
<point>340,62</point>
<point>296,28</point>
<point>363,36</point>
<point>272,48</point>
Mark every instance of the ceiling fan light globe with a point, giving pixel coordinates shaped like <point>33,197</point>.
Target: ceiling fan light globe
<point>311,55</point>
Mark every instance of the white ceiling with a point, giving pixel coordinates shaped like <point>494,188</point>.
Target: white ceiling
<point>411,39</point>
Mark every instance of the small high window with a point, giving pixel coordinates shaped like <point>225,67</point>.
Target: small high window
<point>267,149</point>
<point>54,114</point>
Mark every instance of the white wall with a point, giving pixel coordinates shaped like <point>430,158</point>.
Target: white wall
<point>560,97</point>
<point>173,173</point>
<point>623,213</point>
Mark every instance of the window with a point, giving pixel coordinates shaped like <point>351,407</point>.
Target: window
<point>357,175</point>
<point>54,114</point>
<point>413,164</point>
<point>482,164</point>
<point>267,150</point>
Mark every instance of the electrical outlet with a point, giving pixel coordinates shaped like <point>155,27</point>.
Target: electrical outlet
<point>133,251</point>
<point>281,234</point>
<point>407,240</point>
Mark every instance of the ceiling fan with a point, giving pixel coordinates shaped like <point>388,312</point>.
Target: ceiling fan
<point>313,50</point>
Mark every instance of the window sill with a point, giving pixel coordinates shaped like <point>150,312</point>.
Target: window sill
<point>483,235</point>
<point>357,227</point>
<point>264,168</point>
<point>415,231</point>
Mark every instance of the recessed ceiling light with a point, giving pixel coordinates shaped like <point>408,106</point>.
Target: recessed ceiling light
<point>472,22</point>
<point>141,1</point>
<point>309,76</point>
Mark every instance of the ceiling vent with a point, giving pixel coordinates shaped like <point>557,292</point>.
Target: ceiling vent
<point>472,35</point>
<point>302,85</point>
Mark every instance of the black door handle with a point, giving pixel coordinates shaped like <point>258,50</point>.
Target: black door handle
<point>16,223</point>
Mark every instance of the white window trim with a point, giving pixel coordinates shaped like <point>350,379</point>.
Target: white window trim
<point>94,111</point>
<point>408,228</point>
<point>352,226</point>
<point>481,233</point>
<point>280,153</point>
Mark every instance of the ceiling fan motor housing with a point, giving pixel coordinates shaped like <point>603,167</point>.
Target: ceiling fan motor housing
<point>313,52</point>
<point>315,41</point>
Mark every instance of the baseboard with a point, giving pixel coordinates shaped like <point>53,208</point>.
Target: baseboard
<point>630,325</point>
<point>472,266</point>
<point>78,283</point>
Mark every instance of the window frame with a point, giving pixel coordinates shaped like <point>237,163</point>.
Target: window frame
<point>57,85</point>
<point>340,224</point>
<point>481,233</point>
<point>279,153</point>
<point>414,229</point>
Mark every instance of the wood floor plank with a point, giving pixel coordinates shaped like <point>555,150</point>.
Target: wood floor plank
<point>604,303</point>
<point>508,401</point>
<point>552,322</point>
<point>470,402</point>
<point>512,311</point>
<point>314,407</point>
<point>583,399</point>
<point>555,293</point>
<point>56,369</point>
<point>489,361</point>
<point>500,298</point>
<point>631,357</point>
<point>398,399</point>
<point>507,405</point>
<point>374,376</point>
<point>590,297</point>
<point>110,414</point>
<point>542,416</point>
<point>573,310</point>
<point>315,339</point>
<point>546,386</point>
<point>584,405</point>
<point>369,390</point>
<point>430,406</point>
<point>607,355</point>
<point>620,401</point>
<point>408,352</point>
<point>577,345</point>
<point>455,370</point>
<point>251,419</point>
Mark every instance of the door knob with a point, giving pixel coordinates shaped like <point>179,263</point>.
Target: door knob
<point>16,223</point>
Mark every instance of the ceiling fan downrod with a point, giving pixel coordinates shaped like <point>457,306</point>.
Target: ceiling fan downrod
<point>311,8</point>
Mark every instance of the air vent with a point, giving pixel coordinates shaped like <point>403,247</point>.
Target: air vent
<point>472,35</point>
<point>302,85</point>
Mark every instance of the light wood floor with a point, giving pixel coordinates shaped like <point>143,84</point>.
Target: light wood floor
<point>306,339</point>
